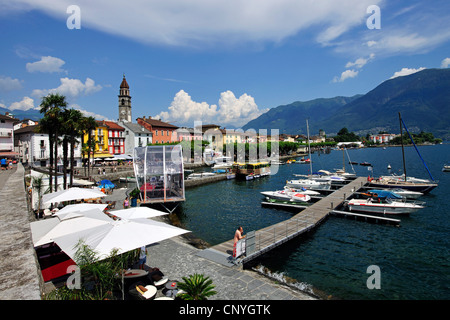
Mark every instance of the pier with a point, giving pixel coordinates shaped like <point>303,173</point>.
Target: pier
<point>266,239</point>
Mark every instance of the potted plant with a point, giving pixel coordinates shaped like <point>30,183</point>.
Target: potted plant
<point>134,195</point>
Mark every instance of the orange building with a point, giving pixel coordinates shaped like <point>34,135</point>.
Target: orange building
<point>162,132</point>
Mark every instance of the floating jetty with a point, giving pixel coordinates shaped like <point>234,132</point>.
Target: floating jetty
<point>261,241</point>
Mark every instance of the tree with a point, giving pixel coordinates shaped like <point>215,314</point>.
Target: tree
<point>72,129</point>
<point>52,107</point>
<point>88,125</point>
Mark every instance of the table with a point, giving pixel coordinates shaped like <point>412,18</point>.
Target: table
<point>171,289</point>
<point>134,273</point>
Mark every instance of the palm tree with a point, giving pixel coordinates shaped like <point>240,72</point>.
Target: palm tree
<point>52,107</point>
<point>88,125</point>
<point>196,287</point>
<point>72,129</point>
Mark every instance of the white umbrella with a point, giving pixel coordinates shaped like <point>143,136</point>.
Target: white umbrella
<point>79,207</point>
<point>137,212</point>
<point>124,235</point>
<point>45,231</point>
<point>72,194</point>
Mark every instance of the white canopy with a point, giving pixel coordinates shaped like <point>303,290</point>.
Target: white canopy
<point>125,235</point>
<point>44,231</point>
<point>137,212</point>
<point>72,194</point>
<point>79,207</point>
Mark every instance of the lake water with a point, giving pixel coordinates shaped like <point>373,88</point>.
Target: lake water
<point>333,259</point>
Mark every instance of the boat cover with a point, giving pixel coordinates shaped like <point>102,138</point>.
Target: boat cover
<point>386,194</point>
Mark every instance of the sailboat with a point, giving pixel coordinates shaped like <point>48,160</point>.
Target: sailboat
<point>408,183</point>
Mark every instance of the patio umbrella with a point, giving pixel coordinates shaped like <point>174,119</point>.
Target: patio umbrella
<point>137,212</point>
<point>45,231</point>
<point>124,235</point>
<point>79,207</point>
<point>72,194</point>
<point>106,184</point>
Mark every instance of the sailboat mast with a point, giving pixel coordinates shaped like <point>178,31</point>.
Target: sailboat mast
<point>309,147</point>
<point>401,137</point>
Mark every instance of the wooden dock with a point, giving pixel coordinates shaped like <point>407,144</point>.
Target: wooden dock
<point>271,237</point>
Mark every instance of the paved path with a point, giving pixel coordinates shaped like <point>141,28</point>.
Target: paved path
<point>176,259</point>
<point>19,275</point>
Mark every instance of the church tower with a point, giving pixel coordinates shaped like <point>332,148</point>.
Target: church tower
<point>124,101</point>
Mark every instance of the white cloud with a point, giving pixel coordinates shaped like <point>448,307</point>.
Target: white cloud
<point>347,74</point>
<point>230,110</point>
<point>89,113</point>
<point>46,64</point>
<point>9,84</point>
<point>445,63</point>
<point>203,22</point>
<point>25,104</point>
<point>405,72</point>
<point>360,62</point>
<point>71,88</point>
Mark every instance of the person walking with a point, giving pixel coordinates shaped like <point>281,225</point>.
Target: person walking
<point>126,203</point>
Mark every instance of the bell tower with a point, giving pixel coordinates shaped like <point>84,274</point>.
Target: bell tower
<point>124,101</point>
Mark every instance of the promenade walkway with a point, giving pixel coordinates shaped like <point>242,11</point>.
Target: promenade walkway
<point>19,274</point>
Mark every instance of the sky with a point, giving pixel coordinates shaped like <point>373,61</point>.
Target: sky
<point>215,61</point>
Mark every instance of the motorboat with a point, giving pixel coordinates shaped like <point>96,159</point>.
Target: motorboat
<point>198,175</point>
<point>366,164</point>
<point>446,168</point>
<point>303,160</point>
<point>309,184</point>
<point>387,207</point>
<point>304,191</point>
<point>286,195</point>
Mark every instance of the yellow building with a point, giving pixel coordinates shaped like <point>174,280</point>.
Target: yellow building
<point>100,135</point>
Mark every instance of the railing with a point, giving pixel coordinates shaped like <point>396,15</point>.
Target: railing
<point>279,233</point>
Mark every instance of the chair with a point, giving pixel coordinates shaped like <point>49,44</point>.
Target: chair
<point>146,292</point>
<point>47,213</point>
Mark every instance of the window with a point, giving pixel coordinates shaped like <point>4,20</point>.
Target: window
<point>162,132</point>
<point>156,132</point>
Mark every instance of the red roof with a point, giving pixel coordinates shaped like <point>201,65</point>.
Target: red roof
<point>124,83</point>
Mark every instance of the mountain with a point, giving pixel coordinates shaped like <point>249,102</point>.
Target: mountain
<point>423,98</point>
<point>291,118</point>
<point>19,114</point>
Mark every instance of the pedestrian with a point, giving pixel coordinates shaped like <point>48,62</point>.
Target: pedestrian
<point>238,234</point>
<point>142,257</point>
<point>4,164</point>
<point>126,203</point>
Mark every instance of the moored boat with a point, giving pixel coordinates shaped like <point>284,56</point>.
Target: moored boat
<point>309,184</point>
<point>388,207</point>
<point>250,171</point>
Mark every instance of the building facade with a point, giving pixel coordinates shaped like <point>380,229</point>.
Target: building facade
<point>7,136</point>
<point>162,132</point>
<point>33,148</point>
<point>135,136</point>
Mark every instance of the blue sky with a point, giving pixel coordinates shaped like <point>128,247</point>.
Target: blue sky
<point>223,62</point>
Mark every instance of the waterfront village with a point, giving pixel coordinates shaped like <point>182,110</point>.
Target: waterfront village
<point>109,148</point>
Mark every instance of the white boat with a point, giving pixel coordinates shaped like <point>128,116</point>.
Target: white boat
<point>198,175</point>
<point>309,184</point>
<point>446,168</point>
<point>388,207</point>
<point>285,195</point>
<point>303,190</point>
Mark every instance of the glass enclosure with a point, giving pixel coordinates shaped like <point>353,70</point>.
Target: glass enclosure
<point>159,173</point>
